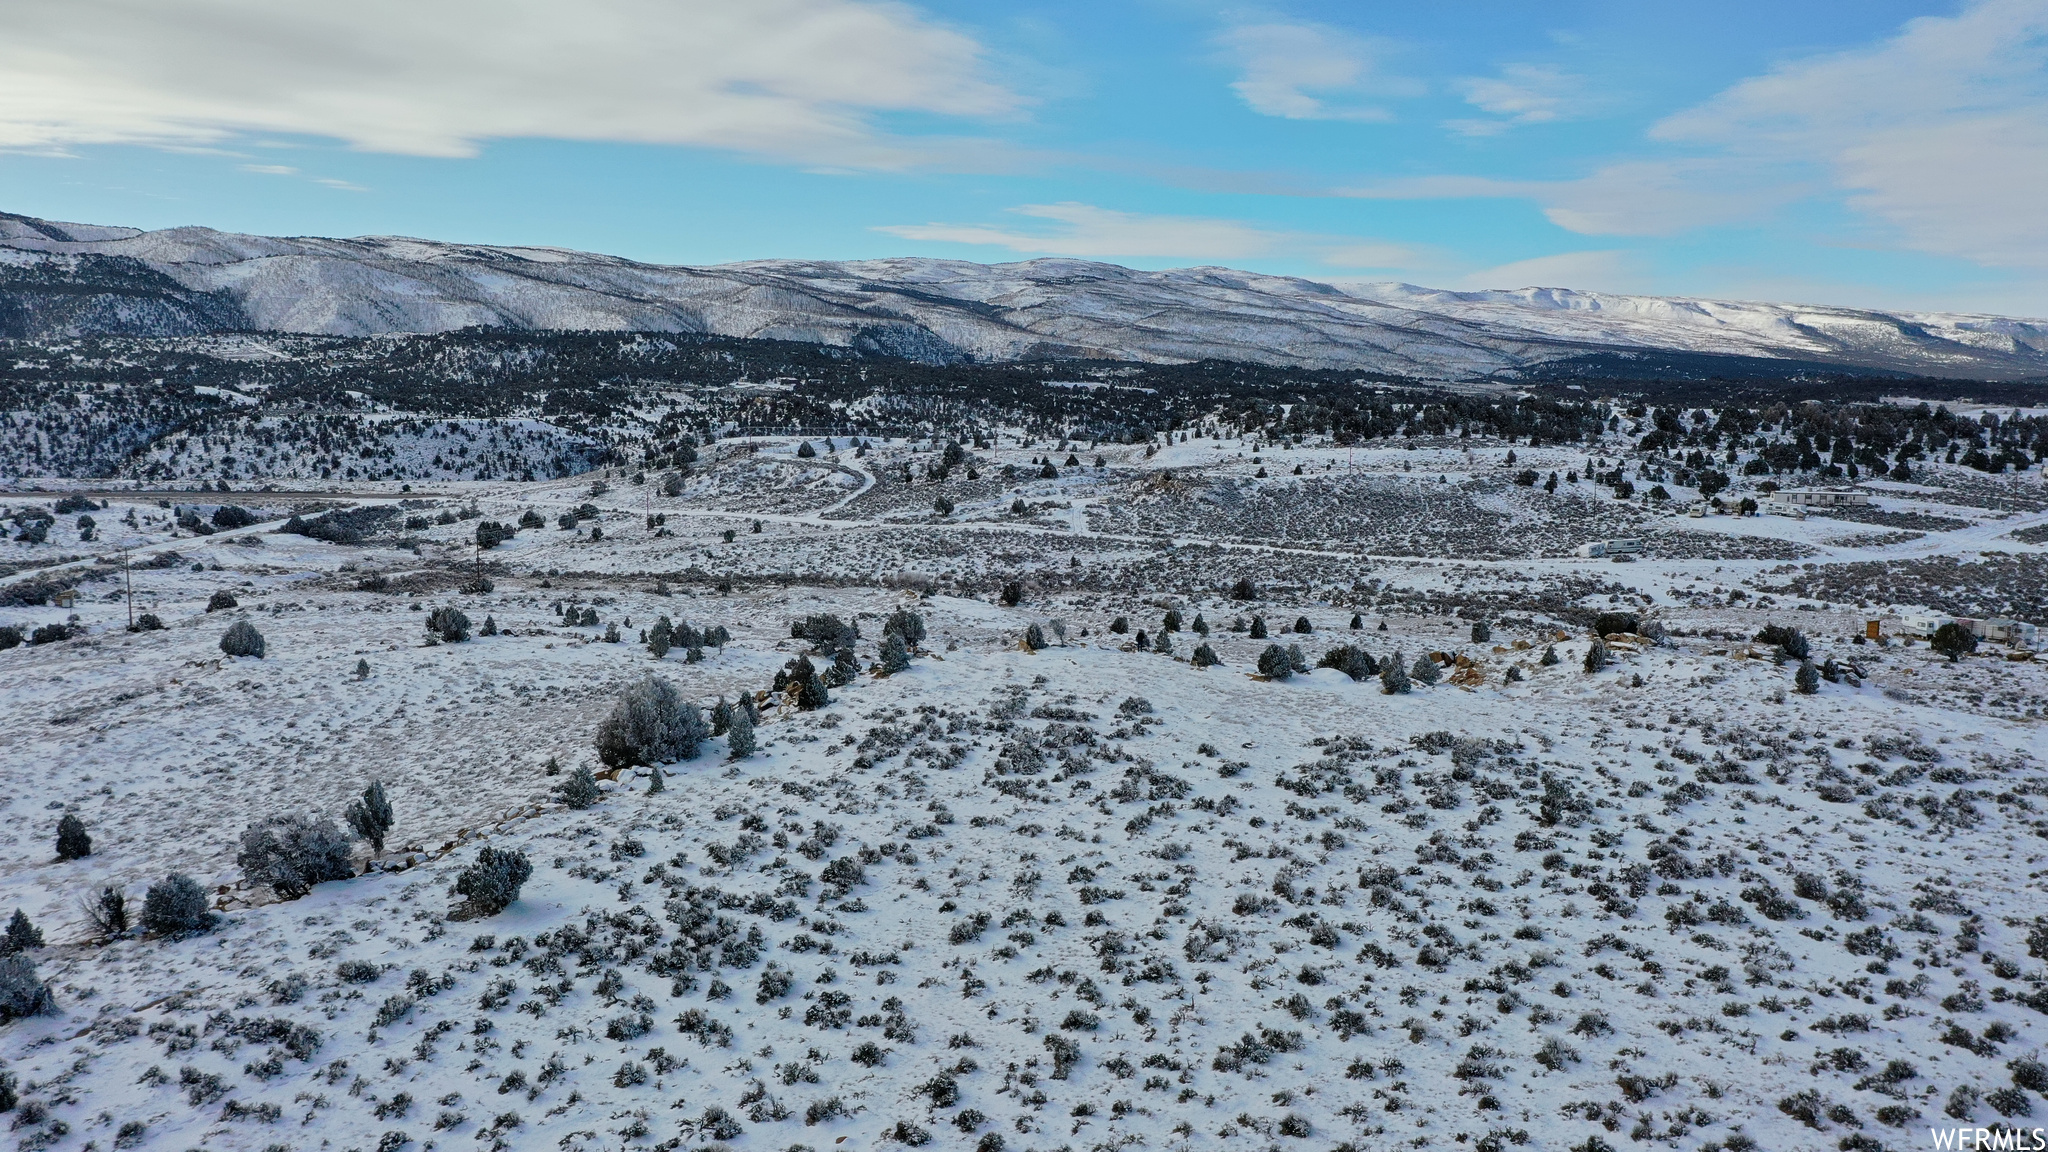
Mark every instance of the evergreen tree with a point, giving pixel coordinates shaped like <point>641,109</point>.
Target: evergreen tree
<point>746,704</point>
<point>242,639</point>
<point>580,790</point>
<point>1244,589</point>
<point>1514,674</point>
<point>661,637</point>
<point>1596,656</point>
<point>907,624</point>
<point>811,694</point>
<point>654,783</point>
<point>72,841</point>
<point>1274,664</point>
<point>721,717</point>
<point>494,881</point>
<point>651,723</point>
<point>1143,640</point>
<point>1200,625</point>
<point>1258,628</point>
<point>1481,633</point>
<point>1204,657</point>
<point>21,935</point>
<point>1302,626</point>
<point>290,854</point>
<point>1393,678</point>
<point>1807,680</point>
<point>1162,643</point>
<point>1954,641</point>
<point>1171,622</point>
<point>1550,655</point>
<point>371,816</point>
<point>1034,637</point>
<point>110,912</point>
<point>449,624</point>
<point>895,657</point>
<point>1121,625</point>
<point>740,737</point>
<point>1013,594</point>
<point>176,906</point>
<point>23,993</point>
<point>362,669</point>
<point>1425,670</point>
<point>1357,621</point>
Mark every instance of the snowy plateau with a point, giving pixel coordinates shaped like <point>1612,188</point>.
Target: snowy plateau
<point>1127,847</point>
<point>60,279</point>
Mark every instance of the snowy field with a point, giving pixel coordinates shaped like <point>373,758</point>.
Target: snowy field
<point>1089,896</point>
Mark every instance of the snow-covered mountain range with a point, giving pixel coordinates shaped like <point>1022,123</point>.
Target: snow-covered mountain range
<point>61,279</point>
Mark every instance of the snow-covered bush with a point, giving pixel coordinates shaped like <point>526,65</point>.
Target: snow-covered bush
<point>650,724</point>
<point>242,639</point>
<point>175,906</point>
<point>579,791</point>
<point>493,882</point>
<point>290,854</point>
<point>450,624</point>
<point>371,816</point>
<point>221,601</point>
<point>22,990</point>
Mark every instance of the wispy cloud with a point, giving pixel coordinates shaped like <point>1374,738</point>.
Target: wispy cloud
<point>1596,271</point>
<point>1634,198</point>
<point>1520,94</point>
<point>1085,230</point>
<point>270,169</point>
<point>1311,72</point>
<point>795,80</point>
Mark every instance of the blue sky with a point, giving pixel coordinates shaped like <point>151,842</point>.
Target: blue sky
<point>1878,153</point>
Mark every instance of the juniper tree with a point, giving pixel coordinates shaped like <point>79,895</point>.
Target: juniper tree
<point>1357,621</point>
<point>1394,678</point>
<point>942,506</point>
<point>1034,637</point>
<point>221,601</point>
<point>1596,656</point>
<point>290,854</point>
<point>493,882</point>
<point>362,669</point>
<point>1550,655</point>
<point>1954,641</point>
<point>1481,633</point>
<point>1171,623</point>
<point>1162,643</point>
<point>907,624</point>
<point>660,636</point>
<point>1425,670</point>
<point>1143,640</point>
<point>1244,589</point>
<point>21,935</point>
<point>1200,625</point>
<point>650,723</point>
<point>1204,657</point>
<point>580,790</point>
<point>176,906</point>
<point>895,657</point>
<point>1013,594</point>
<point>23,993</point>
<point>1513,674</point>
<point>371,815</point>
<point>746,704</point>
<point>1258,628</point>
<point>72,841</point>
<point>721,717</point>
<point>490,627</point>
<point>1806,681</point>
<point>108,912</point>
<point>242,639</point>
<point>1353,662</point>
<point>1121,625</point>
<point>654,782</point>
<point>739,738</point>
<point>811,693</point>
<point>449,624</point>
<point>1302,626</point>
<point>1274,664</point>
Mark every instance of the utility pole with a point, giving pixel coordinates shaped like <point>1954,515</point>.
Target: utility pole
<point>129,580</point>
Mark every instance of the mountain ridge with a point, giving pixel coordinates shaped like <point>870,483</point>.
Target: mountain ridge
<point>65,279</point>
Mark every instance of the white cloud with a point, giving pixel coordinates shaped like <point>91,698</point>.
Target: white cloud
<point>1310,72</point>
<point>798,80</point>
<point>1633,198</point>
<point>271,169</point>
<point>1521,94</point>
<point>1604,271</point>
<point>1084,230</point>
<point>1940,132</point>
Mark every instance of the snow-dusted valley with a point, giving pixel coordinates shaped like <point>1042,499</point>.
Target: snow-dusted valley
<point>1220,789</point>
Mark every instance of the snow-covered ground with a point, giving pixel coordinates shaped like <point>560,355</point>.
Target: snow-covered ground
<point>1091,896</point>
